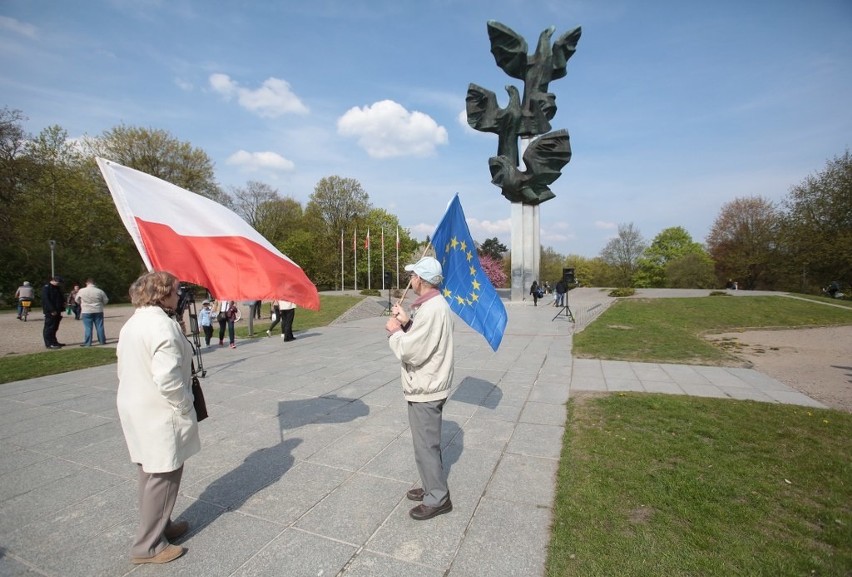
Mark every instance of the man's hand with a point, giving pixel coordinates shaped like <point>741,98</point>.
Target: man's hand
<point>393,325</point>
<point>398,313</point>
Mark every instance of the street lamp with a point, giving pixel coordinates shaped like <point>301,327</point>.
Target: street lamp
<point>52,248</point>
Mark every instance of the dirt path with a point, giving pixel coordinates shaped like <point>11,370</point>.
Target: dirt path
<point>817,362</point>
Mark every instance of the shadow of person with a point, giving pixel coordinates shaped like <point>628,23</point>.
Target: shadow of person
<point>453,446</point>
<point>476,391</point>
<point>229,492</point>
<point>267,465</point>
<point>327,409</point>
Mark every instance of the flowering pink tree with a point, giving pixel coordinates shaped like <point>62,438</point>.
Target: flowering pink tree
<point>493,268</point>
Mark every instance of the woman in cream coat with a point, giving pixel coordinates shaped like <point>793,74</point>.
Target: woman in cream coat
<point>157,416</point>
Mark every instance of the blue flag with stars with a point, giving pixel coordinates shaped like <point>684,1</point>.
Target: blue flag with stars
<point>467,289</point>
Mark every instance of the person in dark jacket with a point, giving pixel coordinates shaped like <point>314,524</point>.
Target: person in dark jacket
<point>53,304</point>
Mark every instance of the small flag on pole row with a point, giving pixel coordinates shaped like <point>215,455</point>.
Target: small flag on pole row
<point>202,242</point>
<point>466,287</point>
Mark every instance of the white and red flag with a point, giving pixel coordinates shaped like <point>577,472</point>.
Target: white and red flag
<point>202,242</point>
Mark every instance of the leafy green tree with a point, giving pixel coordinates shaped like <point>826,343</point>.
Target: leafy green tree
<point>668,246</point>
<point>692,270</point>
<point>16,255</point>
<point>336,207</point>
<point>816,228</point>
<point>743,243</point>
<point>160,154</point>
<point>623,252</point>
<point>493,248</point>
<point>550,266</point>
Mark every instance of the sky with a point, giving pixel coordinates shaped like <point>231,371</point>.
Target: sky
<point>674,108</point>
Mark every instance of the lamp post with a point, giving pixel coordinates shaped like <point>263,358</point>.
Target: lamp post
<point>52,248</point>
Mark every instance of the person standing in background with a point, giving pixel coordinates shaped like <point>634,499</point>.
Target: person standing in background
<point>205,320</point>
<point>73,303</point>
<point>288,314</point>
<point>53,304</point>
<point>226,316</point>
<point>91,301</point>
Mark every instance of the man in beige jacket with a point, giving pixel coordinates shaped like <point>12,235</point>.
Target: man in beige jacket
<point>423,342</point>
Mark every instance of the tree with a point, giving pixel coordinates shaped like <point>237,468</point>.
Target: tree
<point>743,242</point>
<point>817,228</point>
<point>336,207</point>
<point>670,245</point>
<point>339,202</point>
<point>493,248</point>
<point>550,266</point>
<point>623,253</point>
<point>159,154</point>
<point>692,270</point>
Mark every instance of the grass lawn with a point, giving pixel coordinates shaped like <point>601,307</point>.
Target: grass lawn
<point>678,486</point>
<point>20,367</point>
<point>669,330</point>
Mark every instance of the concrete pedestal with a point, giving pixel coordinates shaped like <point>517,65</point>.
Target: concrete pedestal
<point>526,248</point>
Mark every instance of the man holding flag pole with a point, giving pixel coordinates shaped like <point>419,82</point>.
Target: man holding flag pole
<point>423,343</point>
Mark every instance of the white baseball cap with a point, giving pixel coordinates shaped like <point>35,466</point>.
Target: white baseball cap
<point>427,268</point>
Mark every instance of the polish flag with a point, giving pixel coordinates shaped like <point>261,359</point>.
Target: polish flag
<point>202,242</point>
<point>367,240</point>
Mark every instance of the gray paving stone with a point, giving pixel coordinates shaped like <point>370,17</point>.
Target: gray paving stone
<point>307,455</point>
<point>298,553</point>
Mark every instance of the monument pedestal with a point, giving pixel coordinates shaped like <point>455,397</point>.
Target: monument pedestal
<point>526,248</point>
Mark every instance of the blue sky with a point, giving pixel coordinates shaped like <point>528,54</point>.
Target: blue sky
<point>673,107</point>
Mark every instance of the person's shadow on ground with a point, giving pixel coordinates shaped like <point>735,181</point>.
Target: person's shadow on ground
<point>268,465</point>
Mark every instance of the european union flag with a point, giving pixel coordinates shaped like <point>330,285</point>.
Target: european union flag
<point>467,289</point>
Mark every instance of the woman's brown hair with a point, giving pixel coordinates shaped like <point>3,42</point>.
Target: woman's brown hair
<point>152,288</point>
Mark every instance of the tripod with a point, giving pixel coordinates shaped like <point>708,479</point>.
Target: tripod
<point>387,309</point>
<point>565,309</point>
<point>186,299</point>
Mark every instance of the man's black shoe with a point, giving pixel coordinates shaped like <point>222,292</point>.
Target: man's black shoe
<point>56,347</point>
<point>58,344</point>
<point>422,512</point>
<point>415,494</point>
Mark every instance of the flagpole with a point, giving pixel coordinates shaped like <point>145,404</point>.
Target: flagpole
<point>342,276</point>
<point>355,251</point>
<point>405,292</point>
<point>368,259</point>
<point>383,257</point>
<point>397,257</point>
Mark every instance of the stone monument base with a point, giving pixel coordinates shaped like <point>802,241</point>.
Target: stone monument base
<point>526,248</point>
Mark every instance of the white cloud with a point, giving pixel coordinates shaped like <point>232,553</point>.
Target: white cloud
<point>18,27</point>
<point>386,129</point>
<point>605,225</point>
<point>271,100</point>
<point>489,228</point>
<point>251,161</point>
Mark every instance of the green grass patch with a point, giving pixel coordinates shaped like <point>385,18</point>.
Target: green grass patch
<point>21,367</point>
<point>670,329</point>
<point>674,485</point>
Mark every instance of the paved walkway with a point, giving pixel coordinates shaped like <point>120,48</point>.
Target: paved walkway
<point>307,455</point>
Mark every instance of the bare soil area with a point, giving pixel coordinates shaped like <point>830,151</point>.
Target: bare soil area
<point>817,362</point>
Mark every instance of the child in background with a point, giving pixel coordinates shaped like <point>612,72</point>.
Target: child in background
<point>205,319</point>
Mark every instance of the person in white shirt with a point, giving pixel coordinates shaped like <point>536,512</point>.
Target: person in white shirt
<point>91,301</point>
